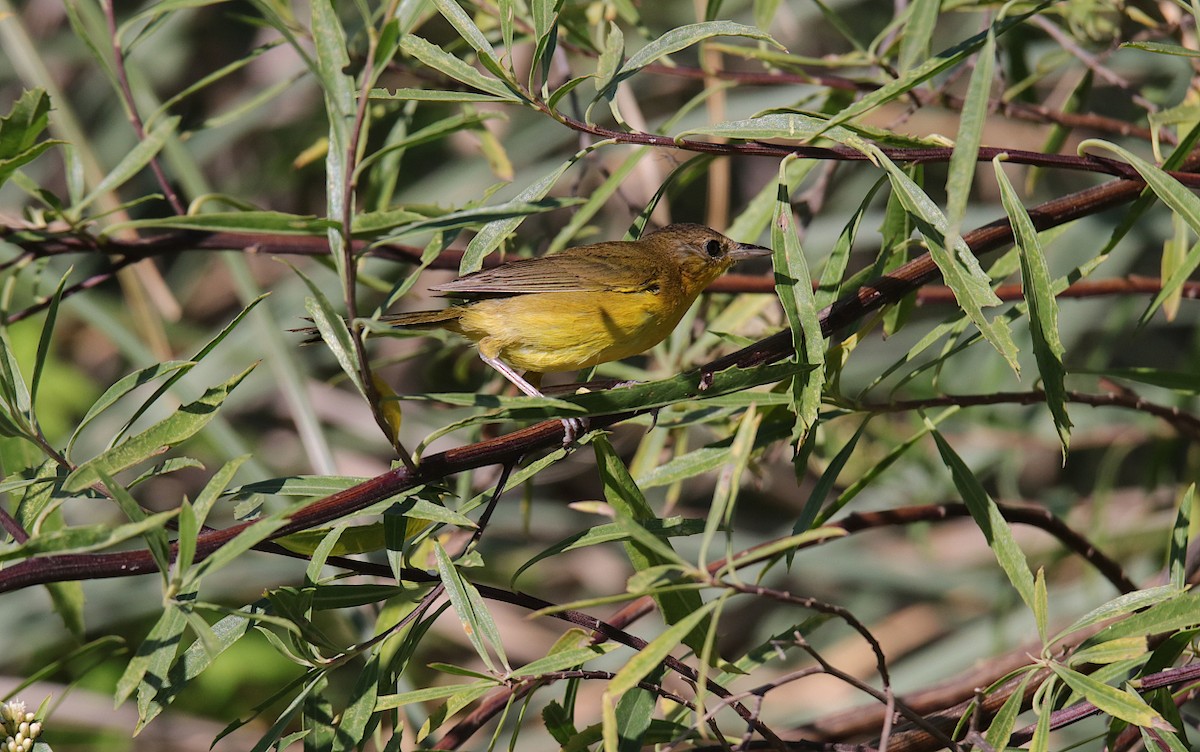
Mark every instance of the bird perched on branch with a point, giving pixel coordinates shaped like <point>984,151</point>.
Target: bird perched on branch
<point>583,306</point>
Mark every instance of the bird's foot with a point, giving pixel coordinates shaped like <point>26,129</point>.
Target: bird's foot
<point>573,428</point>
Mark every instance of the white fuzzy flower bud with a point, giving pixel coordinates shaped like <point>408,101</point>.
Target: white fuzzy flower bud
<point>15,710</point>
<point>35,730</point>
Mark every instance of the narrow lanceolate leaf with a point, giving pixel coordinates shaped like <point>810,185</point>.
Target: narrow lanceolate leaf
<point>229,552</point>
<point>1043,307</point>
<point>1127,706</point>
<point>626,498</point>
<point>333,330</point>
<point>609,61</point>
<point>200,355</point>
<point>1180,612</point>
<point>281,223</point>
<point>725,495</point>
<point>429,694</point>
<point>653,654</point>
<point>545,14</point>
<point>1177,552</point>
<point>681,38</point>
<point>1113,651</point>
<point>193,662</point>
<point>443,62</point>
<point>1001,728</point>
<point>338,89</point>
<point>794,126</point>
<point>355,718</point>
<point>1174,255</point>
<point>125,385</point>
<point>155,654</point>
<point>933,66</point>
<point>435,95</point>
<point>472,611</point>
<point>833,275</point>
<point>12,164</point>
<point>193,515</point>
<point>43,349</point>
<point>959,267</point>
<point>1041,732</point>
<point>84,538</point>
<point>1125,604</point>
<point>793,285</point>
<point>156,537</point>
<point>491,235</point>
<point>565,659</point>
<point>634,713</point>
<point>14,393</point>
<point>961,173</point>
<point>1163,48</point>
<point>989,519</point>
<point>921,19</point>
<point>184,424</point>
<point>471,33</point>
<point>825,483</point>
<point>1041,605</point>
<point>137,158</point>
<point>672,526</point>
<point>1180,199</point>
<point>466,217</point>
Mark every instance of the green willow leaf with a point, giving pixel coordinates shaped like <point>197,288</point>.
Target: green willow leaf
<point>1043,307</point>
<point>184,424</point>
<point>959,267</point>
<point>1127,706</point>
<point>1178,198</point>
<point>133,162</point>
<point>990,521</point>
<point>244,221</point>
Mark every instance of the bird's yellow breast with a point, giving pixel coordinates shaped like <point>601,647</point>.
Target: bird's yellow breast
<point>566,331</point>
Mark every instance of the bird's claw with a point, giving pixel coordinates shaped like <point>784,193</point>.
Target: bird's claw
<point>573,428</point>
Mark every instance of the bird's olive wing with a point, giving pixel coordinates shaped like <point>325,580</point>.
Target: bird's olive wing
<point>604,267</point>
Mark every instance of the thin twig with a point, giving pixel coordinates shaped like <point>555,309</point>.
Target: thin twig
<point>131,109</point>
<point>1182,421</point>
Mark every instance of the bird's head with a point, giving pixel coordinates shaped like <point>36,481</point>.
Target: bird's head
<point>701,253</point>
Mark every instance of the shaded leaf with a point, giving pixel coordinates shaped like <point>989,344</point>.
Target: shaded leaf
<point>184,424</point>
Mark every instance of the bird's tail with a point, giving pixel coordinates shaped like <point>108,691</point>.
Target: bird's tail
<point>447,318</point>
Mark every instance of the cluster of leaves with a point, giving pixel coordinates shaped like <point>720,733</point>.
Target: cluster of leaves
<point>760,458</point>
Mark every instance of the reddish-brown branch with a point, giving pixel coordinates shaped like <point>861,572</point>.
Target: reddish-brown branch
<point>1182,421</point>
<point>1016,110</point>
<point>939,294</point>
<point>924,155</point>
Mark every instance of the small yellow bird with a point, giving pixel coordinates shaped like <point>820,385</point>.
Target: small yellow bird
<point>584,306</point>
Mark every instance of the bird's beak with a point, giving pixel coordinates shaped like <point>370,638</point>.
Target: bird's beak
<point>748,251</point>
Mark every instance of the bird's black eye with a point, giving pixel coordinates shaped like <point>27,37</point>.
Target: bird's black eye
<point>713,248</point>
